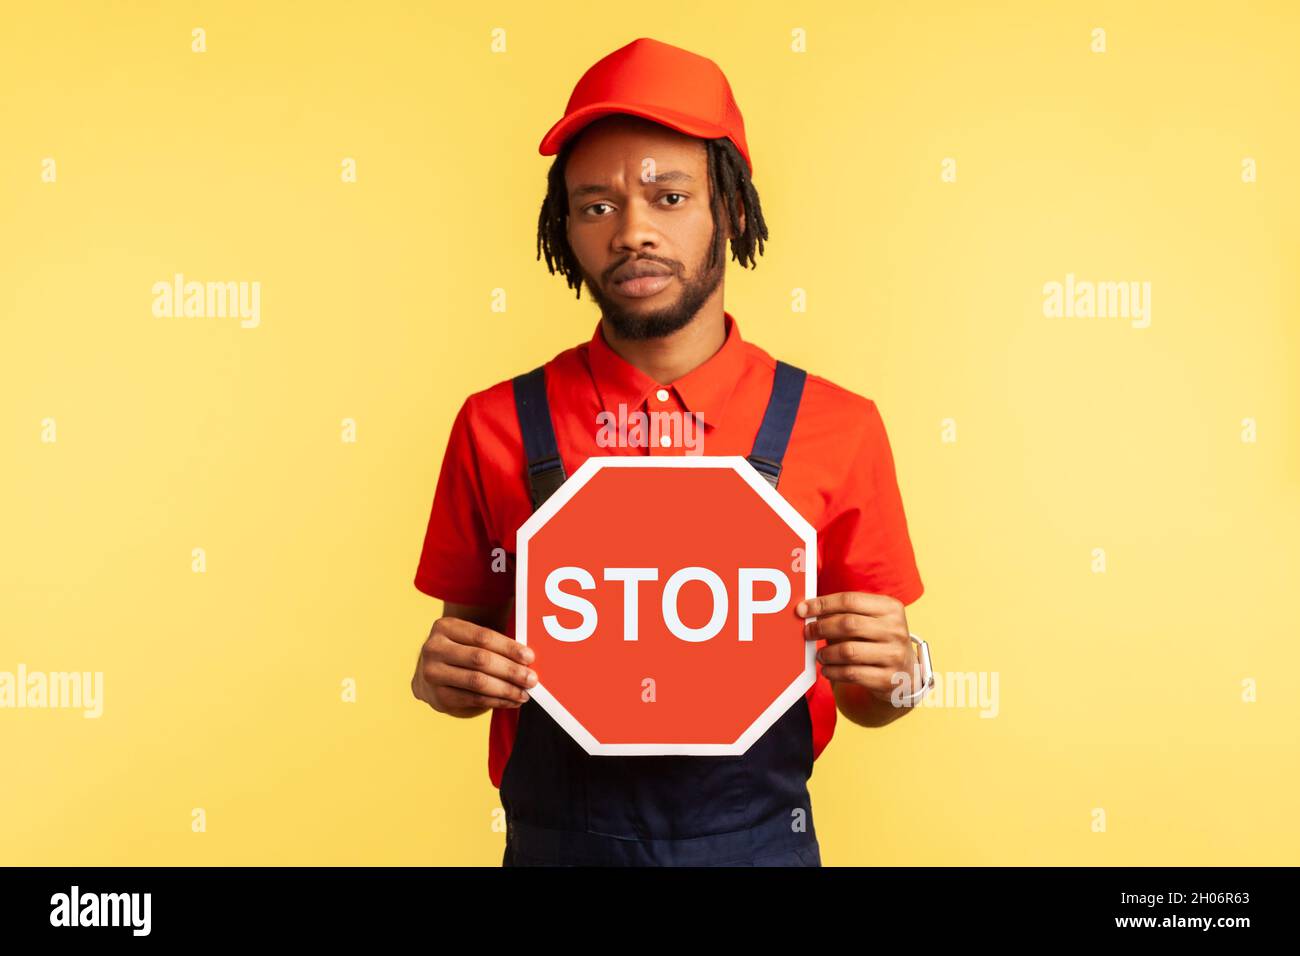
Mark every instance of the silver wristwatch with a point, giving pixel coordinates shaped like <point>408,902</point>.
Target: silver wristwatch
<point>927,672</point>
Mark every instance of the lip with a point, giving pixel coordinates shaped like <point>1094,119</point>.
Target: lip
<point>643,286</point>
<point>635,268</point>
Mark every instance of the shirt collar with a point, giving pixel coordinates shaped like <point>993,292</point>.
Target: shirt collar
<point>705,389</point>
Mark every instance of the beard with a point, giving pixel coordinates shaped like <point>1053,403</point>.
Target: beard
<point>667,319</point>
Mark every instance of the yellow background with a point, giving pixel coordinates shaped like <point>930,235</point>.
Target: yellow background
<point>1119,690</point>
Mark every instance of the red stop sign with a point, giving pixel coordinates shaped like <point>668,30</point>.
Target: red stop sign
<point>658,595</point>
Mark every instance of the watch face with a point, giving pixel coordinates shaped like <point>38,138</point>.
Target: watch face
<point>925,660</point>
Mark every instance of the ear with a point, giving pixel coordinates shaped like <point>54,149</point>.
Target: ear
<point>740,214</point>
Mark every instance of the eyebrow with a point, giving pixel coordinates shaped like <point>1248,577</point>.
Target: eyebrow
<point>671,176</point>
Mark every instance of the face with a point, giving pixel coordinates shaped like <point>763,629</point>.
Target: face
<point>618,221</point>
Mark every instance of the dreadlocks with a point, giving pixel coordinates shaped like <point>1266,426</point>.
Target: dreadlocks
<point>728,182</point>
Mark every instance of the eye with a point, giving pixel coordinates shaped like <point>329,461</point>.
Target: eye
<point>594,205</point>
<point>678,195</point>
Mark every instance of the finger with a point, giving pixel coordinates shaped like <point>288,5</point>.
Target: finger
<point>476,635</point>
<point>473,681</point>
<point>850,602</point>
<point>839,627</point>
<point>860,652</point>
<point>454,697</point>
<point>873,678</point>
<point>880,680</point>
<point>481,659</point>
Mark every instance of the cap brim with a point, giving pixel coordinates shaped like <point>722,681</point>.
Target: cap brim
<point>561,131</point>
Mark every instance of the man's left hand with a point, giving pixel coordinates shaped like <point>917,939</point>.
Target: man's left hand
<point>867,641</point>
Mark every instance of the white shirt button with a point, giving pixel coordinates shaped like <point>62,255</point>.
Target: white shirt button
<point>665,440</point>
<point>662,394</point>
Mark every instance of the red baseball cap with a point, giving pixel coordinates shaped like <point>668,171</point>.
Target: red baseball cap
<point>659,82</point>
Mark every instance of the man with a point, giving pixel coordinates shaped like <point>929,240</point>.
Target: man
<point>651,178</point>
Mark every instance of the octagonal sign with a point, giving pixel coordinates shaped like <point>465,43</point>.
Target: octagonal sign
<point>658,596</point>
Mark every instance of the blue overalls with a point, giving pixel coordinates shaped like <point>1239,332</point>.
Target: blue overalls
<point>565,807</point>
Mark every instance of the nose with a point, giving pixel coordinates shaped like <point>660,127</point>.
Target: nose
<point>636,231</point>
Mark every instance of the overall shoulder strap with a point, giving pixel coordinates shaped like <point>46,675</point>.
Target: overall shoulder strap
<point>778,421</point>
<point>545,469</point>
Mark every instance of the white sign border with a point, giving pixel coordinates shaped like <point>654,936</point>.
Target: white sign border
<point>774,500</point>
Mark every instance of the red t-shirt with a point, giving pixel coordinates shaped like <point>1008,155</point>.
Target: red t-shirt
<point>838,472</point>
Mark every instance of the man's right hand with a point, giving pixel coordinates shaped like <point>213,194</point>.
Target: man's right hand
<point>467,668</point>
